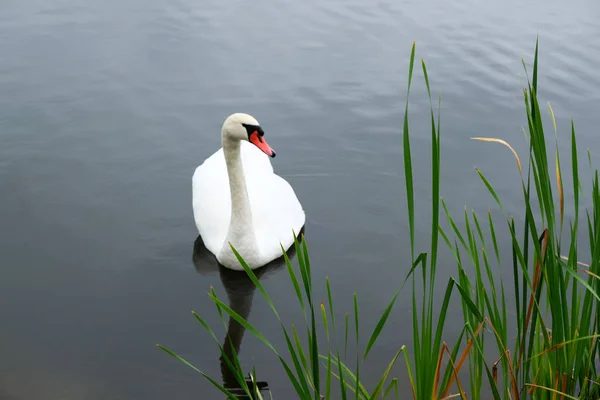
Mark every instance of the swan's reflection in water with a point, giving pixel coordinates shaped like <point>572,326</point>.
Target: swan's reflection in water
<point>240,293</point>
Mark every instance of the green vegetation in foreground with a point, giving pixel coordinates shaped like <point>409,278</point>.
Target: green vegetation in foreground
<point>557,299</point>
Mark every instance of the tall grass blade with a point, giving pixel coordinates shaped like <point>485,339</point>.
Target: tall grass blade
<point>408,161</point>
<point>380,325</point>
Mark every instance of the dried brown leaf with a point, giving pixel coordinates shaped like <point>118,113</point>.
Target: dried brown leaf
<point>504,142</point>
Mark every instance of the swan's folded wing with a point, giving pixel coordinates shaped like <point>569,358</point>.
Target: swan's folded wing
<point>211,201</point>
<point>277,215</point>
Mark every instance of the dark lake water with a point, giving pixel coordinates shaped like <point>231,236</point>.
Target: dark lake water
<point>107,107</point>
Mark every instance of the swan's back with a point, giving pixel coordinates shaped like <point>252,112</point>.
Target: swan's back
<point>276,211</point>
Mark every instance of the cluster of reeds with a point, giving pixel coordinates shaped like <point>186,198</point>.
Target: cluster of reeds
<point>547,349</point>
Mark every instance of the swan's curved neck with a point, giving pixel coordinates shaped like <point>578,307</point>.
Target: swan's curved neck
<point>241,229</point>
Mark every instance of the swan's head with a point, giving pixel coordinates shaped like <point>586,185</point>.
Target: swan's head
<point>241,126</point>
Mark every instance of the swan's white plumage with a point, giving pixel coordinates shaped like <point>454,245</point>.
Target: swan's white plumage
<point>276,211</point>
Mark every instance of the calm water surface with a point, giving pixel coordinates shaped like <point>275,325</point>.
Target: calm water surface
<point>106,108</point>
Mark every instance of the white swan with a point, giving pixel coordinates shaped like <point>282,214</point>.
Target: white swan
<point>238,199</point>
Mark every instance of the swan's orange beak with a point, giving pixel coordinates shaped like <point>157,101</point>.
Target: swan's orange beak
<point>260,142</point>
